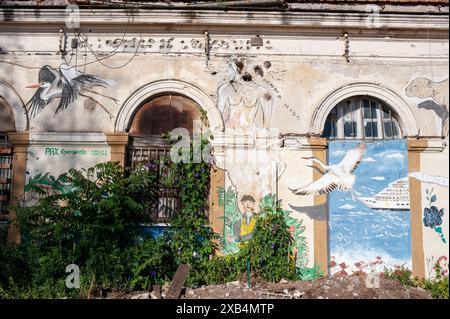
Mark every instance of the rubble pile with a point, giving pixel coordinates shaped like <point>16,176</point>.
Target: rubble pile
<point>354,286</point>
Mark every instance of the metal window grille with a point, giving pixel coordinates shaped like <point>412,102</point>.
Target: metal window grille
<point>6,159</point>
<point>167,203</point>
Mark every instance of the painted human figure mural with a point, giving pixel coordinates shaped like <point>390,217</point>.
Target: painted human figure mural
<point>244,106</point>
<point>249,182</point>
<point>243,228</point>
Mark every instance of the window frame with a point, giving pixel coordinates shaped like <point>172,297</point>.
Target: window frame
<point>168,203</point>
<point>356,104</point>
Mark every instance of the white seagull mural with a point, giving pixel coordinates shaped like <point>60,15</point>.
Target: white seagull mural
<point>336,177</point>
<point>65,83</point>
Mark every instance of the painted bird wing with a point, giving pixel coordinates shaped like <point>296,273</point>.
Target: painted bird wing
<point>324,185</point>
<point>72,81</point>
<point>352,159</point>
<point>68,95</point>
<point>35,105</point>
<point>89,80</point>
<point>78,78</point>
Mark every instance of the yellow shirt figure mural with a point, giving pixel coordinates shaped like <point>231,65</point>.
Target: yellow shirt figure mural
<point>243,228</point>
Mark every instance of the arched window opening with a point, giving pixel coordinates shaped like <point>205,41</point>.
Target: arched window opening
<point>155,117</point>
<point>362,118</point>
<point>6,159</point>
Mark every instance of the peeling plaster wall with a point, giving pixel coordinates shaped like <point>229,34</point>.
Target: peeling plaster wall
<point>57,153</point>
<point>299,82</point>
<point>435,245</point>
<point>292,65</point>
<point>300,207</point>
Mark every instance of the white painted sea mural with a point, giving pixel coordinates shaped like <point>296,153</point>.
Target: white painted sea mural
<point>370,224</point>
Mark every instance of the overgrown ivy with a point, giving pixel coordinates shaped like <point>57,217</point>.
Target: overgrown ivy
<point>91,218</point>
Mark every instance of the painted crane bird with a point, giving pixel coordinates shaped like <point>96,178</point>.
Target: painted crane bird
<point>336,177</point>
<point>65,83</point>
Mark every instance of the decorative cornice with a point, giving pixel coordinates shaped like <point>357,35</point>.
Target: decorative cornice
<point>68,138</point>
<point>297,143</point>
<point>116,18</point>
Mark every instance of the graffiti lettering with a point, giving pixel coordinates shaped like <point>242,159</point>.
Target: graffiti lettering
<point>292,112</point>
<point>51,151</point>
<point>56,151</point>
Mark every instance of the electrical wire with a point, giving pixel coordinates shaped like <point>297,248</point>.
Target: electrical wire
<point>21,65</point>
<point>115,67</point>
<point>113,52</point>
<point>110,54</point>
<point>97,58</point>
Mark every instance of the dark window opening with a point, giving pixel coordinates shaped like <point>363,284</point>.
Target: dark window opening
<point>7,124</point>
<point>156,117</point>
<point>6,159</point>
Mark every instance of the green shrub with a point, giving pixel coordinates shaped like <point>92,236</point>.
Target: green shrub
<point>438,286</point>
<point>85,217</point>
<point>402,274</point>
<point>222,269</point>
<point>90,218</point>
<point>268,249</point>
<point>152,263</point>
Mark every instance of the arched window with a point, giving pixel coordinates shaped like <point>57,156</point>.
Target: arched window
<point>163,114</point>
<point>362,118</point>
<point>160,115</point>
<point>6,158</point>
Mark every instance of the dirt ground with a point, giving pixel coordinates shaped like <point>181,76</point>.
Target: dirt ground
<point>338,287</point>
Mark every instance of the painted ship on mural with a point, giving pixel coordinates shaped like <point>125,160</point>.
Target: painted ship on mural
<point>394,197</point>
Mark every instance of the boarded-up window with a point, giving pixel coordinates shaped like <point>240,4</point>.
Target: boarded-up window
<point>155,117</point>
<point>163,114</point>
<point>6,117</point>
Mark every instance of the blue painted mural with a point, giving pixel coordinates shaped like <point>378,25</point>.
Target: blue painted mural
<point>370,221</point>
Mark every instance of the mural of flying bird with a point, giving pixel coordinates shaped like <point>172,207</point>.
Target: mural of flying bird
<point>337,177</point>
<point>65,83</point>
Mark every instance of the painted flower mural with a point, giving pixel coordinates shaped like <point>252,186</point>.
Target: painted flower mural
<point>432,216</point>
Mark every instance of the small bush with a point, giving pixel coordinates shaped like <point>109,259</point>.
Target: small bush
<point>439,286</point>
<point>268,249</point>
<point>152,263</point>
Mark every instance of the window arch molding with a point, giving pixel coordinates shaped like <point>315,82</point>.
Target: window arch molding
<point>16,104</point>
<point>158,88</point>
<point>405,117</point>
